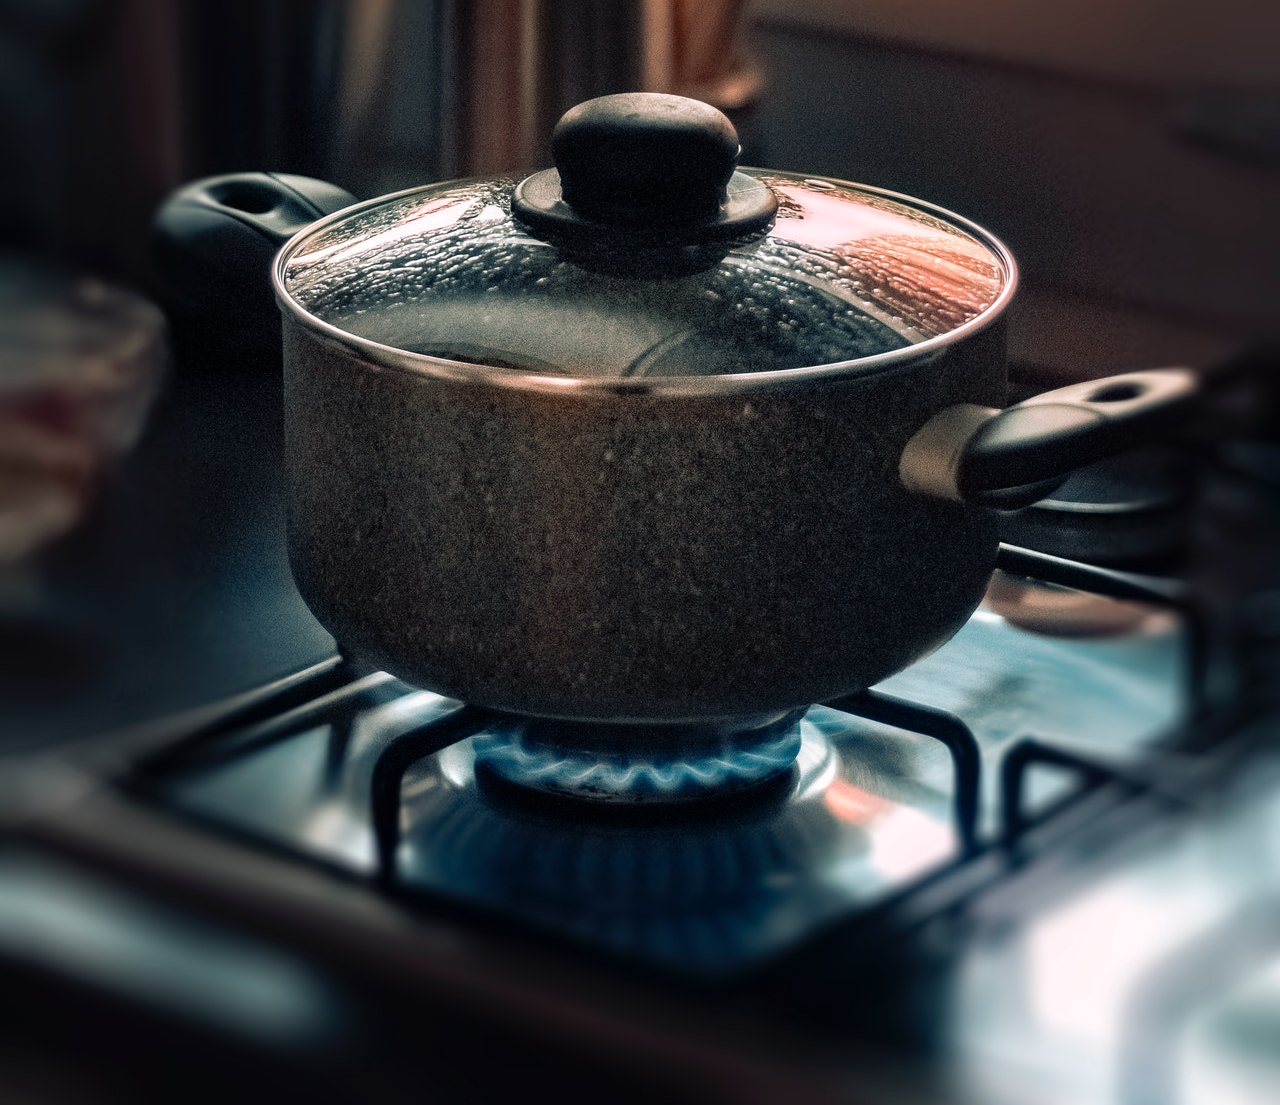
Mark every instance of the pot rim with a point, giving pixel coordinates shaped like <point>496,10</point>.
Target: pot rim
<point>432,367</point>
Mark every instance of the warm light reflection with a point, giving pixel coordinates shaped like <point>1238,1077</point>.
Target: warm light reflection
<point>831,220</point>
<point>930,275</point>
<point>853,804</point>
<point>904,841</point>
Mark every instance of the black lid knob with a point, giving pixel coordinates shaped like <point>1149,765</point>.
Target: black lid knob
<point>644,159</point>
<point>643,171</point>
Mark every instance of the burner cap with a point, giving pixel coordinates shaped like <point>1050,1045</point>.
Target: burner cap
<point>634,763</point>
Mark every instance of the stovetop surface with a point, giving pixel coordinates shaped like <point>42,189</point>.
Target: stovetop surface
<point>187,885</point>
<point>868,810</point>
<point>879,899</point>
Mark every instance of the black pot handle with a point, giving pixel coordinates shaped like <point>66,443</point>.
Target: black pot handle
<point>214,239</point>
<point>1010,458</point>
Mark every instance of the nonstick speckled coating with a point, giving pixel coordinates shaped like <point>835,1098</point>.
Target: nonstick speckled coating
<point>646,556</point>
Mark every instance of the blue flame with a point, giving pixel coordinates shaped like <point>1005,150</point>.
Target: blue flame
<point>636,776</point>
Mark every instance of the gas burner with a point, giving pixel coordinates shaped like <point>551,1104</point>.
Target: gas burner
<point>708,852</point>
<point>635,764</point>
<point>703,890</point>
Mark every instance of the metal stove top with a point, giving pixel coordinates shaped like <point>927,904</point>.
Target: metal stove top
<point>379,780</point>
<point>1027,869</point>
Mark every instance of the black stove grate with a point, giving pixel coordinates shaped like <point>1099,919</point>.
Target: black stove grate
<point>336,694</point>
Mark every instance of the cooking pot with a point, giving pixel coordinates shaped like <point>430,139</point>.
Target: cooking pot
<point>646,438</point>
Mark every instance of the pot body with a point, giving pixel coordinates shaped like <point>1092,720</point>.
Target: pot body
<point>641,553</point>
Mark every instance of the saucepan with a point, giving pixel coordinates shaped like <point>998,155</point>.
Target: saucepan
<point>646,438</point>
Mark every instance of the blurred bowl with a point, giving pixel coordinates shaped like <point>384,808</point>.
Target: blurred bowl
<point>80,365</point>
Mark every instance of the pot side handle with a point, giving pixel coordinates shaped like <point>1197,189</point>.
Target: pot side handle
<point>1010,458</point>
<point>214,239</point>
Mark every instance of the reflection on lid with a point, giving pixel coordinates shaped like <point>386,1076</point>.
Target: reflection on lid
<point>928,274</point>
<point>419,220</point>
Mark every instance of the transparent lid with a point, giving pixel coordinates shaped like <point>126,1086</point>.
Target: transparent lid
<point>843,273</point>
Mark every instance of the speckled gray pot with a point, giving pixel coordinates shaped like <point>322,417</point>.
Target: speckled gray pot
<point>690,549</point>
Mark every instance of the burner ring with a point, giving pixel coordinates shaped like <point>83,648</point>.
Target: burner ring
<point>543,756</point>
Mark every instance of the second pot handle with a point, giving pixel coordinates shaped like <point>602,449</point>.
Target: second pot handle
<point>1010,458</point>
<point>215,238</point>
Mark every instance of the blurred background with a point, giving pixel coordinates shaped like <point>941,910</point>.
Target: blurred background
<point>1127,149</point>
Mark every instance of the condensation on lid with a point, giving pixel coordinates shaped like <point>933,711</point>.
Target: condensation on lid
<point>846,273</point>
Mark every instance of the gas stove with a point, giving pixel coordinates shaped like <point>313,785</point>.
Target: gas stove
<point>1007,874</point>
<point>702,863</point>
<point>1037,866</point>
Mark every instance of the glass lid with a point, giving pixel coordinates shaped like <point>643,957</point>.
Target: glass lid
<point>741,272</point>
